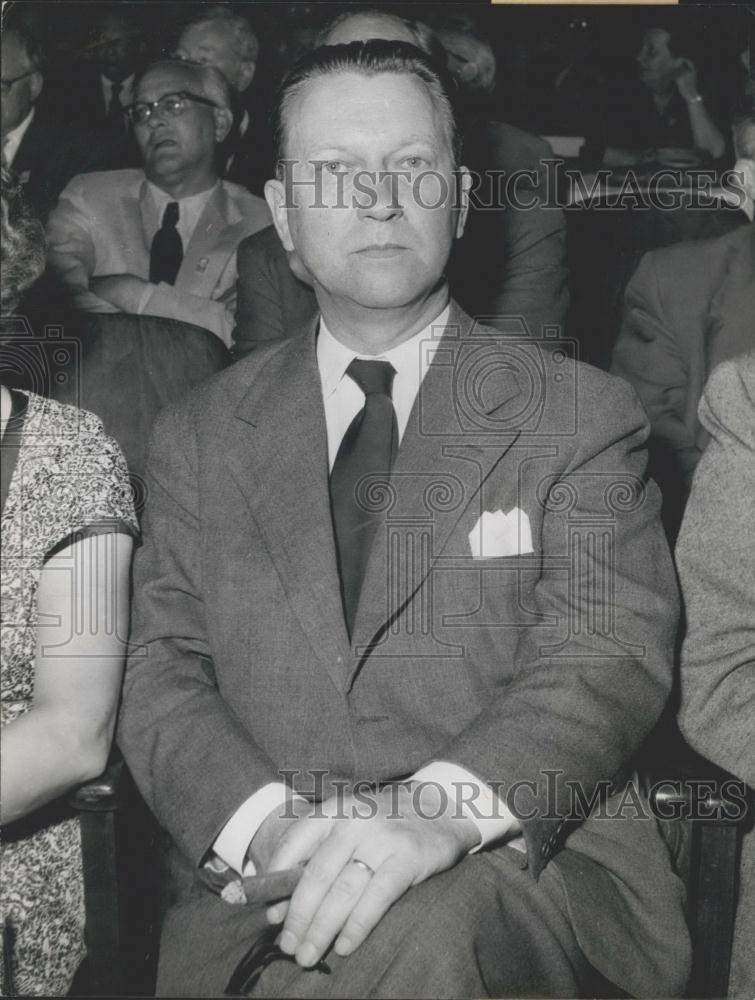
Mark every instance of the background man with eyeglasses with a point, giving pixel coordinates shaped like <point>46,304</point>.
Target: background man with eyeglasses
<point>160,240</point>
<point>42,152</point>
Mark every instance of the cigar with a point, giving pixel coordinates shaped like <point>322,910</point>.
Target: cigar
<point>261,890</point>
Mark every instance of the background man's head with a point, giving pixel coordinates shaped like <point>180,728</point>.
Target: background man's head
<point>378,114</point>
<point>178,143</point>
<point>743,130</point>
<point>22,77</point>
<point>374,22</point>
<point>225,40</point>
<point>470,58</point>
<point>116,45</point>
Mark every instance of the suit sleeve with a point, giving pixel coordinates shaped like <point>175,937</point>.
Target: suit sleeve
<point>533,278</point>
<point>71,255</point>
<point>647,355</point>
<point>716,563</point>
<point>259,314</point>
<point>594,676</point>
<point>190,755</point>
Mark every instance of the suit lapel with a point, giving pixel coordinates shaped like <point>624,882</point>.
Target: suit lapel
<point>447,453</point>
<point>147,213</point>
<point>213,241</point>
<point>278,456</point>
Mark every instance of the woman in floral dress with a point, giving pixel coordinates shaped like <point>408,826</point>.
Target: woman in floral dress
<point>67,525</point>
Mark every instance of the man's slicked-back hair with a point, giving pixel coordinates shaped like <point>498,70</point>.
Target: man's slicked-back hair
<point>210,82</point>
<point>369,58</point>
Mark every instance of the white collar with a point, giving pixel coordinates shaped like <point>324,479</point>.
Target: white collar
<point>12,139</point>
<point>411,358</point>
<point>194,203</point>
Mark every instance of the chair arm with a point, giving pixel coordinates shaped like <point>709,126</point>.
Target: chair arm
<point>681,784</point>
<point>101,794</point>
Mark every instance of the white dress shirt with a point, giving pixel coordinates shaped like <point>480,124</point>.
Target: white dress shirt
<point>12,139</point>
<point>189,211</point>
<point>343,399</point>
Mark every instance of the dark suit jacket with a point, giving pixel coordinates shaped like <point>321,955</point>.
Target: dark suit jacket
<point>76,100</point>
<point>242,667</point>
<point>252,154</point>
<point>508,268</point>
<point>50,154</point>
<point>687,308</point>
<point>510,265</point>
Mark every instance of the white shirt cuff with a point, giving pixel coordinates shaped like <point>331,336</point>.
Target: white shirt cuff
<point>471,798</point>
<point>234,839</point>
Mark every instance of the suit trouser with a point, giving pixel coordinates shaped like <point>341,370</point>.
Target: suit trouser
<point>483,928</point>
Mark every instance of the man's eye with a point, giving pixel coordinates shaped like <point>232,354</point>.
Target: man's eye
<point>335,166</point>
<point>415,162</point>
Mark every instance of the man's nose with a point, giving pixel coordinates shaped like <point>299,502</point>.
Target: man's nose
<point>385,202</point>
<point>156,118</point>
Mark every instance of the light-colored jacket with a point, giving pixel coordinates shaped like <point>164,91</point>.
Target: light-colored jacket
<point>104,223</point>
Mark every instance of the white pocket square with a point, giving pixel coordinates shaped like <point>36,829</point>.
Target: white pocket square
<point>497,534</point>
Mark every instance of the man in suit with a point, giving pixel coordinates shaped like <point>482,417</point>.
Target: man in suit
<point>42,151</point>
<point>161,240</point>
<point>95,91</point>
<point>715,557</point>
<point>687,308</point>
<point>355,602</point>
<point>224,39</point>
<point>510,265</point>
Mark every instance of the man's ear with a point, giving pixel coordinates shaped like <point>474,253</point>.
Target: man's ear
<point>36,82</point>
<point>275,196</point>
<point>745,167</point>
<point>463,187</point>
<point>246,74</point>
<point>223,122</point>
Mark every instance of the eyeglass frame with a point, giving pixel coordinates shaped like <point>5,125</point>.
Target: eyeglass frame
<point>153,106</point>
<point>7,84</point>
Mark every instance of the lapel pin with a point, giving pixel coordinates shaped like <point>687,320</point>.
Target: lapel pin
<point>202,264</point>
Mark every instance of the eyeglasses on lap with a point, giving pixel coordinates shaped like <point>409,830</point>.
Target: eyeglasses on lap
<point>169,105</point>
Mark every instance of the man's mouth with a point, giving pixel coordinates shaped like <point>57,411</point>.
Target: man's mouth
<point>162,143</point>
<point>382,251</point>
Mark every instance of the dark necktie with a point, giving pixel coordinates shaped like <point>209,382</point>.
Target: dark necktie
<point>115,114</point>
<point>167,249</point>
<point>368,449</point>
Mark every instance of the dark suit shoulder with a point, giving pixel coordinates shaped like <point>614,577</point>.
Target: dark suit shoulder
<point>264,245</point>
<point>511,148</point>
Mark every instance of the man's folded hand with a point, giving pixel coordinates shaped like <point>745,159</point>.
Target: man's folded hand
<point>359,859</point>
